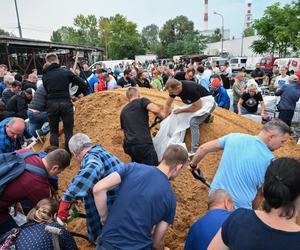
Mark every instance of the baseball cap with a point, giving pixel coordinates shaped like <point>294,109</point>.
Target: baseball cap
<point>216,83</point>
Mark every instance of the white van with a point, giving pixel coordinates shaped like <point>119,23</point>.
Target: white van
<point>238,63</point>
<point>251,62</point>
<point>293,64</point>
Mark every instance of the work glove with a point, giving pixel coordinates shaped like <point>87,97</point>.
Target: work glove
<point>63,214</point>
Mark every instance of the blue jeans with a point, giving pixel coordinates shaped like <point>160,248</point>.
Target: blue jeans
<point>36,120</point>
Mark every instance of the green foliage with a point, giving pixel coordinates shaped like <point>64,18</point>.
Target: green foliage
<point>215,37</point>
<point>126,42</point>
<point>279,29</point>
<point>175,29</point>
<point>5,33</point>
<point>178,37</point>
<point>150,35</point>
<point>118,35</point>
<point>249,32</point>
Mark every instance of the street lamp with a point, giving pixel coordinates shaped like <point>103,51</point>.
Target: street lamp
<point>222,38</point>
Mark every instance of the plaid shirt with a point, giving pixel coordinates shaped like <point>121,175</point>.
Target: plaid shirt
<point>7,144</point>
<point>95,165</point>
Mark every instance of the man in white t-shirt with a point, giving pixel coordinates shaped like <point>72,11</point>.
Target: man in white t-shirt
<point>110,81</point>
<point>282,79</point>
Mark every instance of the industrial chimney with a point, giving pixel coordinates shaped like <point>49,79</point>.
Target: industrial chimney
<point>248,16</point>
<point>205,14</point>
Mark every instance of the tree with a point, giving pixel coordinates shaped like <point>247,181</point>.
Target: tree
<point>279,29</point>
<point>216,36</point>
<point>105,34</point>
<point>85,32</point>
<point>150,35</point>
<point>126,42</point>
<point>249,32</point>
<point>175,29</point>
<point>5,33</point>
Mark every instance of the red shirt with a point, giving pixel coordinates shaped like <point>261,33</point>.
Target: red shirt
<point>27,186</point>
<point>101,86</point>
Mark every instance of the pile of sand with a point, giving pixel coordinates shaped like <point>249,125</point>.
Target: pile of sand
<point>98,116</point>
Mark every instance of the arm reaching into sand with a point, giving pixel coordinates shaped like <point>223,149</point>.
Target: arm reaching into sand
<point>212,146</point>
<point>100,190</point>
<point>155,110</point>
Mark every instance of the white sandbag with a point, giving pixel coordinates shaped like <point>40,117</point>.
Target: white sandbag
<point>256,118</point>
<point>172,129</point>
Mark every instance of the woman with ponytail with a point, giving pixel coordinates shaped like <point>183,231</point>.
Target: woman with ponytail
<point>274,227</point>
<point>32,235</point>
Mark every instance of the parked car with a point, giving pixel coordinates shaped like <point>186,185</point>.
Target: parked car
<point>266,63</point>
<point>238,63</point>
<point>251,62</point>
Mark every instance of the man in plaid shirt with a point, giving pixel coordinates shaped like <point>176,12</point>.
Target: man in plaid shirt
<point>10,130</point>
<point>95,164</point>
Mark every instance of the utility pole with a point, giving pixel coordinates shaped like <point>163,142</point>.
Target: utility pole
<point>222,31</point>
<point>19,25</point>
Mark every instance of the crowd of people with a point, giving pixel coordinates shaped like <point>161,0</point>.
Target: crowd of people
<point>131,205</point>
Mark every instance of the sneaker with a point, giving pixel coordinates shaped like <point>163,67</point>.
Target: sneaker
<point>209,119</point>
<point>40,135</point>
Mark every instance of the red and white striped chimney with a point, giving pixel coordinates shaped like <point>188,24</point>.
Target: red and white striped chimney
<point>248,16</point>
<point>205,14</point>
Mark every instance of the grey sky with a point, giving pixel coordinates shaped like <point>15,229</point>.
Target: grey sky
<point>39,18</point>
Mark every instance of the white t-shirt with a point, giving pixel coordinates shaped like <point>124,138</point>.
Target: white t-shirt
<point>111,84</point>
<point>281,81</point>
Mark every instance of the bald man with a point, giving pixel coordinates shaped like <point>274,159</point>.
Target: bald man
<point>203,231</point>
<point>11,129</point>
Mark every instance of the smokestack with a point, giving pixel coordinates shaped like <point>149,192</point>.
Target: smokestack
<point>205,14</point>
<point>248,17</point>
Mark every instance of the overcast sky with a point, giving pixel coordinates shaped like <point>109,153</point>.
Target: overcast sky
<point>39,18</point>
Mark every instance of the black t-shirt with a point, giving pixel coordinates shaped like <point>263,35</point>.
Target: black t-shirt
<point>244,230</point>
<point>191,92</point>
<point>145,84</point>
<point>135,122</point>
<point>125,84</point>
<point>251,102</point>
<point>258,73</point>
<point>180,76</point>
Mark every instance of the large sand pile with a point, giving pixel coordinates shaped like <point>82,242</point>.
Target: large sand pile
<point>98,116</point>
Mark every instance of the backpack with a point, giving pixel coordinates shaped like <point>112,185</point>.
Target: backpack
<point>8,240</point>
<point>12,165</point>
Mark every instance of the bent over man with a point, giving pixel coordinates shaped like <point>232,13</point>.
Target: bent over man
<point>190,93</point>
<point>95,164</point>
<point>146,201</point>
<point>135,123</point>
<point>244,161</point>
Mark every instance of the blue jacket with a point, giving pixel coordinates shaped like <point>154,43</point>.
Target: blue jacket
<point>221,97</point>
<point>290,95</point>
